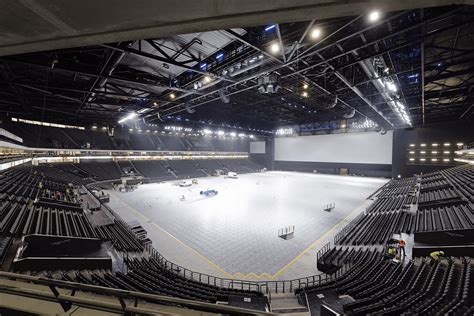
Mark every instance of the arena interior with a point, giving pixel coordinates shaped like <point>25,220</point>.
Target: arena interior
<point>237,157</point>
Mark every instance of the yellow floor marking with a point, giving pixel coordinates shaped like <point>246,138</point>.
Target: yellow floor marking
<point>316,242</point>
<point>252,275</point>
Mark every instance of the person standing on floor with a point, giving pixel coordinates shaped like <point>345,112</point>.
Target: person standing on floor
<point>401,245</point>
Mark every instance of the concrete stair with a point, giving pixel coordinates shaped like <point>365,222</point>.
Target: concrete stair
<point>287,303</point>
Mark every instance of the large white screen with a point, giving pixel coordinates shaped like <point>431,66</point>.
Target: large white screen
<point>372,148</point>
<point>257,147</point>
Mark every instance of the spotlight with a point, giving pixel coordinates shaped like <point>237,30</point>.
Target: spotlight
<point>316,33</point>
<point>155,104</point>
<point>391,86</point>
<point>207,79</point>
<point>275,48</point>
<point>305,94</point>
<point>128,117</point>
<point>374,16</point>
<point>172,96</point>
<point>305,86</point>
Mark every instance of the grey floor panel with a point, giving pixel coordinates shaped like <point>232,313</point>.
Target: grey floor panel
<point>237,229</point>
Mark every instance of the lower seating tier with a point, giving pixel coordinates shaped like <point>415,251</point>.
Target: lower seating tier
<point>380,286</point>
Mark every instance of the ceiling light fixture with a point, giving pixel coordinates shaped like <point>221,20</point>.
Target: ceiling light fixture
<point>270,27</point>
<point>275,48</point>
<point>316,33</point>
<point>374,16</point>
<point>128,117</point>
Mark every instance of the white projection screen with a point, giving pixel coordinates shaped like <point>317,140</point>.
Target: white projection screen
<point>368,148</point>
<point>257,147</point>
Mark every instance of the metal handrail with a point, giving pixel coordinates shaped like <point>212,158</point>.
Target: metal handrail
<point>322,251</point>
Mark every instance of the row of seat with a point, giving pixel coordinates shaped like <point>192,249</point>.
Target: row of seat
<point>436,196</point>
<point>392,203</point>
<point>150,275</point>
<point>364,258</point>
<point>422,287</point>
<point>100,170</point>
<point>160,170</point>
<point>434,185</point>
<point>397,187</point>
<point>431,177</point>
<point>19,185</point>
<point>463,179</point>
<point>445,218</point>
<point>4,245</point>
<point>52,137</point>
<point>66,172</point>
<point>377,228</point>
<point>22,219</point>
<point>120,235</point>
<point>336,257</point>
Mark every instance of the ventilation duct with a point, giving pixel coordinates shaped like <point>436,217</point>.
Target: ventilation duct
<point>332,105</point>
<point>349,114</point>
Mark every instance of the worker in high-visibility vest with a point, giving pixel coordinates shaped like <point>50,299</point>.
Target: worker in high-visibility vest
<point>391,252</point>
<point>435,255</point>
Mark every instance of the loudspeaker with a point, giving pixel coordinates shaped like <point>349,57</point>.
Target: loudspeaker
<point>223,96</point>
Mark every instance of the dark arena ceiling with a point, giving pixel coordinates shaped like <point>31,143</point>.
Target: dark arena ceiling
<point>370,66</point>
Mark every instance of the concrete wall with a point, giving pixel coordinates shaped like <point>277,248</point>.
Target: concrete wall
<point>31,26</point>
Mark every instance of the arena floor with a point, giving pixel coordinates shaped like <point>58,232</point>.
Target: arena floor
<point>237,231</point>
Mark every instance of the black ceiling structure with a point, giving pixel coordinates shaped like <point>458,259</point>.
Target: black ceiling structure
<point>406,69</point>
